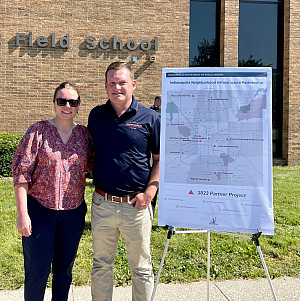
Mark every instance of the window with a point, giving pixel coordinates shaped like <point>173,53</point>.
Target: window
<point>204,48</point>
<point>261,44</point>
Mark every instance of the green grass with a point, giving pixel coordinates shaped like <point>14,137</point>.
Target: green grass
<point>186,259</point>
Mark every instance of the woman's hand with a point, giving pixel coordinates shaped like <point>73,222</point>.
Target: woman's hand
<point>23,219</point>
<point>24,225</point>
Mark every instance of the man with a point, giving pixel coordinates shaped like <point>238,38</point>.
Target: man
<point>157,108</point>
<point>157,104</point>
<point>125,135</point>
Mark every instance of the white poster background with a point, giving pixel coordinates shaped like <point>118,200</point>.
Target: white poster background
<point>216,154</point>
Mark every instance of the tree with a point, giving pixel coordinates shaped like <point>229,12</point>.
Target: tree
<point>251,62</point>
<point>208,54</point>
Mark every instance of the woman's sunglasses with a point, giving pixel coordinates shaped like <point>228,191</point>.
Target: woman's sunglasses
<point>73,102</point>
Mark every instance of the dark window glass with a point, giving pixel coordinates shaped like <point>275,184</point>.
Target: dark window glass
<point>258,33</point>
<point>204,49</point>
<point>259,1</point>
<point>261,44</point>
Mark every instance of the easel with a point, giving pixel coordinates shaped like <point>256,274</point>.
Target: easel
<point>254,238</point>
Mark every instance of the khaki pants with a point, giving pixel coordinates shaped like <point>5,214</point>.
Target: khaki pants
<point>109,219</point>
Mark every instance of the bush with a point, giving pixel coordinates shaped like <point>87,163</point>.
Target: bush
<point>8,145</point>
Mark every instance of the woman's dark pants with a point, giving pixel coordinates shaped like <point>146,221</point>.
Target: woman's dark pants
<point>54,240</point>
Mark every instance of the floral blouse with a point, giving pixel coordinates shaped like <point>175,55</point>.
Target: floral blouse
<point>54,171</point>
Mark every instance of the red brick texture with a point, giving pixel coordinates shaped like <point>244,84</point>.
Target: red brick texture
<point>31,71</point>
<point>29,74</point>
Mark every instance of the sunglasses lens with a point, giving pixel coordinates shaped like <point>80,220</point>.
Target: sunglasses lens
<point>73,102</point>
<point>63,102</point>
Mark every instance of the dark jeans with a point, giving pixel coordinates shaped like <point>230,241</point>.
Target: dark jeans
<point>55,238</point>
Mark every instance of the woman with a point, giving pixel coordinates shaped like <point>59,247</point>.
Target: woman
<point>49,179</point>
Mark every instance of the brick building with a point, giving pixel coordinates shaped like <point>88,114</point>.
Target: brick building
<point>43,43</point>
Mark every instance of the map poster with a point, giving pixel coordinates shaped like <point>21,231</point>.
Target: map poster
<point>216,149</point>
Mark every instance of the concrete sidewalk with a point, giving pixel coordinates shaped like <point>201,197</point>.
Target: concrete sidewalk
<point>234,290</point>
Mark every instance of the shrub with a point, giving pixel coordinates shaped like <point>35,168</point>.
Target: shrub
<point>8,145</point>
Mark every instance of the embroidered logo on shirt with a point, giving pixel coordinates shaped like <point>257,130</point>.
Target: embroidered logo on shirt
<point>133,125</point>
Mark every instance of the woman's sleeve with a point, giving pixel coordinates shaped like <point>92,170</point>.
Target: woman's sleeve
<point>25,157</point>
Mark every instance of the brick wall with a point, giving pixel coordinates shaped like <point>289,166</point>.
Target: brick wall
<point>229,30</point>
<point>291,89</point>
<point>29,74</point>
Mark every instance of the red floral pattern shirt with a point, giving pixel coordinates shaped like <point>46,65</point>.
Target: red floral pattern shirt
<point>54,171</point>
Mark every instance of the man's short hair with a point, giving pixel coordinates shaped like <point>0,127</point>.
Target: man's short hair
<point>119,66</point>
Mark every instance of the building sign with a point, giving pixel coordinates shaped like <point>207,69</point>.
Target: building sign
<point>114,43</point>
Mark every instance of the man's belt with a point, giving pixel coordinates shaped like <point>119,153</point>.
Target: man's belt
<point>118,199</point>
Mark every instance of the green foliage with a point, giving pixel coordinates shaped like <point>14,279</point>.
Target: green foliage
<point>186,258</point>
<point>251,62</point>
<point>8,145</point>
<point>208,54</point>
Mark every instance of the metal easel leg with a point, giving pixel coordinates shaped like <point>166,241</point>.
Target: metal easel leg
<point>170,233</point>
<point>256,241</point>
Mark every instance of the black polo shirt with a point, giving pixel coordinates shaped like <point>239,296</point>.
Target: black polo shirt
<point>123,146</point>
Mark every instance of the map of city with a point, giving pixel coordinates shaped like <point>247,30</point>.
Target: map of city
<point>216,149</point>
<point>215,137</point>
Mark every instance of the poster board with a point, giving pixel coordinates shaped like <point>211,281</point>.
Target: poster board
<point>216,149</point>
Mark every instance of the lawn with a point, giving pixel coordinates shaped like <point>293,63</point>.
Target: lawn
<point>186,259</point>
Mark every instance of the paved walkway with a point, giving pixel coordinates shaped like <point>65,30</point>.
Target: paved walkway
<point>233,290</point>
